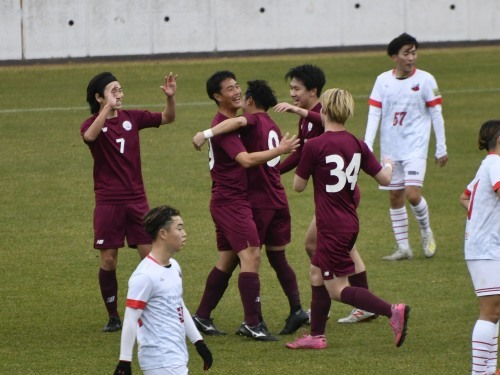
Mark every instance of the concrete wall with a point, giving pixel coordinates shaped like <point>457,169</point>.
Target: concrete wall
<point>36,29</point>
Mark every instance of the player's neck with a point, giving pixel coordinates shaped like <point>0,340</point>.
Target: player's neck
<point>160,255</point>
<point>332,126</point>
<point>312,104</point>
<point>228,112</point>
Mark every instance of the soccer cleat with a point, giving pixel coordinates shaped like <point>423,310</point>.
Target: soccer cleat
<point>207,326</point>
<point>357,316</point>
<point>308,342</point>
<point>294,322</point>
<point>399,254</point>
<point>114,324</point>
<point>428,244</point>
<point>258,332</point>
<point>399,321</point>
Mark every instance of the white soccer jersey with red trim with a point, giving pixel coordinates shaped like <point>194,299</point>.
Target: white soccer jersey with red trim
<point>406,120</point>
<point>482,229</point>
<point>161,334</point>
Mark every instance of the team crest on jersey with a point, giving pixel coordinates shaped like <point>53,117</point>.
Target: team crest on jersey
<point>105,129</point>
<point>309,126</point>
<point>127,125</point>
<point>416,87</point>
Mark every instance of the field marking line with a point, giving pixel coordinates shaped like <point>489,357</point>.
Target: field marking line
<point>205,103</point>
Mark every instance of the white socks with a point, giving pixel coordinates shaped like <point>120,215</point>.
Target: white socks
<point>421,212</point>
<point>484,347</point>
<point>399,220</point>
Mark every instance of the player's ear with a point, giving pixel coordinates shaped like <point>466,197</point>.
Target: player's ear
<point>217,97</point>
<point>98,98</point>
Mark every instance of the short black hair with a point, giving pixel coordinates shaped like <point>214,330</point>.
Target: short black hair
<point>262,94</point>
<point>158,218</point>
<point>397,43</point>
<point>311,76</point>
<point>214,82</point>
<point>488,135</point>
<point>97,86</point>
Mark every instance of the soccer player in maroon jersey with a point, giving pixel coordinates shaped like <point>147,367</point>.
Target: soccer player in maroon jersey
<point>237,236</point>
<point>265,192</point>
<point>333,159</point>
<point>112,135</point>
<point>306,83</point>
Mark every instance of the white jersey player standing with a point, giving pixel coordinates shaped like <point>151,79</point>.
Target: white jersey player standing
<point>405,101</point>
<point>155,312</point>
<point>482,249</point>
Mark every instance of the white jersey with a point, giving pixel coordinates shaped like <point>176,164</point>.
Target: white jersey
<point>482,229</point>
<point>405,120</point>
<point>161,334</point>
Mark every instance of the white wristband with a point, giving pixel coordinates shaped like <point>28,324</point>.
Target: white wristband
<point>388,166</point>
<point>208,133</point>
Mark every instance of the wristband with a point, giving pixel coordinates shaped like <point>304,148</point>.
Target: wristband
<point>388,166</point>
<point>208,133</point>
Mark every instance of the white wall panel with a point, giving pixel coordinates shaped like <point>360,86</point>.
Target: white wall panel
<point>366,22</point>
<point>182,26</point>
<point>484,20</point>
<point>54,28</point>
<point>10,30</point>
<point>119,27</point>
<point>438,20</point>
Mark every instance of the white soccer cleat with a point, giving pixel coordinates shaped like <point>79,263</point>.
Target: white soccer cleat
<point>428,244</point>
<point>357,316</point>
<point>400,254</point>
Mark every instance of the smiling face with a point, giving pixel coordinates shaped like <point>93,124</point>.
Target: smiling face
<point>229,97</point>
<point>405,61</point>
<point>301,96</point>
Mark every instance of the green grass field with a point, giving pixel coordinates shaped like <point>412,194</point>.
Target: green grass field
<point>51,311</point>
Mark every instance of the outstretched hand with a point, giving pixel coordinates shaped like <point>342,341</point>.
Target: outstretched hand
<point>288,145</point>
<point>284,107</point>
<point>199,140</point>
<point>170,86</point>
<point>205,354</point>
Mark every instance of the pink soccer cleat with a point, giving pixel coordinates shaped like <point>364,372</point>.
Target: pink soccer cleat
<point>399,321</point>
<point>308,342</point>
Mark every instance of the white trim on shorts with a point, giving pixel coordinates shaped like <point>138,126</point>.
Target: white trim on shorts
<point>178,370</point>
<point>485,276</point>
<point>407,173</point>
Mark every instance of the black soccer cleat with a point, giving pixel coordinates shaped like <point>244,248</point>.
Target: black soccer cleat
<point>258,332</point>
<point>207,326</point>
<point>294,322</point>
<point>114,324</point>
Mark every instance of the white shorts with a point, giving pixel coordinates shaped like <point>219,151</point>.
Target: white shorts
<point>179,370</point>
<point>407,173</point>
<point>485,276</point>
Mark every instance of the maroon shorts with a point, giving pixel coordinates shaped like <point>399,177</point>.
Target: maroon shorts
<point>333,256</point>
<point>115,222</point>
<point>234,226</point>
<point>273,225</point>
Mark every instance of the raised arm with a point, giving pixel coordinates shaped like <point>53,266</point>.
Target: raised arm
<point>225,126</point>
<point>169,88</point>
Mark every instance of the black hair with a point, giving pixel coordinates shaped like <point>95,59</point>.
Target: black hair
<point>159,218</point>
<point>214,82</point>
<point>262,94</point>
<point>97,86</point>
<point>488,135</point>
<point>397,43</point>
<point>311,76</point>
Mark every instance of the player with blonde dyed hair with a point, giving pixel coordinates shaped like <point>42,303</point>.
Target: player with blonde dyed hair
<point>482,248</point>
<point>334,159</point>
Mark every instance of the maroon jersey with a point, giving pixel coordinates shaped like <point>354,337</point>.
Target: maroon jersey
<point>117,156</point>
<point>229,178</point>
<point>333,160</point>
<point>264,183</point>
<point>309,127</point>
